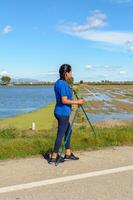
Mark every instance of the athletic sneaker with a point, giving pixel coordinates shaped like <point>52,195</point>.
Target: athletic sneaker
<point>53,160</point>
<point>71,157</point>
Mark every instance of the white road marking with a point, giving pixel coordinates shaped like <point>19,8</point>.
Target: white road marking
<point>64,179</point>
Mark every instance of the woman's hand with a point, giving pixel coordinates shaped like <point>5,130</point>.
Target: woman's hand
<point>80,101</point>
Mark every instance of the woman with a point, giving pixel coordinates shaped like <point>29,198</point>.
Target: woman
<point>62,113</point>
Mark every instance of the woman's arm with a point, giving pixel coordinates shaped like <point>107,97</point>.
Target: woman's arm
<point>65,100</point>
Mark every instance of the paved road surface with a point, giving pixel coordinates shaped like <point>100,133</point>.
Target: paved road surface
<point>98,175</point>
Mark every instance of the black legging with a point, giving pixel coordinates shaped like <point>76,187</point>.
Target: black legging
<point>63,126</point>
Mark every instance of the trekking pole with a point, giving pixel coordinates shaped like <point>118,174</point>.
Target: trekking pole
<point>68,134</point>
<point>86,115</point>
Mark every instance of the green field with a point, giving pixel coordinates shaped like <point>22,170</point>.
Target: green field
<point>42,117</point>
<point>18,140</point>
<point>18,144</point>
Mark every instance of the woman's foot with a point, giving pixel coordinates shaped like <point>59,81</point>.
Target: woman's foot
<point>71,157</point>
<point>53,160</point>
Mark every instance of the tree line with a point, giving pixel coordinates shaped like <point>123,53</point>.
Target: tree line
<point>6,80</point>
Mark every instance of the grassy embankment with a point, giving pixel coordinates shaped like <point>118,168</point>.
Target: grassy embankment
<point>18,140</point>
<point>42,117</point>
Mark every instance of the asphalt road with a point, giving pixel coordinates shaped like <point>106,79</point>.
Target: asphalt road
<point>98,175</point>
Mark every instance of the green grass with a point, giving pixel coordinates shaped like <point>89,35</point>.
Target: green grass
<point>17,144</point>
<point>17,140</point>
<point>42,117</point>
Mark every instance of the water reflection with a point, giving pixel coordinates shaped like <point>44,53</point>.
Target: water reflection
<point>111,116</point>
<point>23,99</point>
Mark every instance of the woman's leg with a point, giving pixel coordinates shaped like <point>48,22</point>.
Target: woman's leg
<point>68,154</point>
<point>67,145</point>
<point>63,122</point>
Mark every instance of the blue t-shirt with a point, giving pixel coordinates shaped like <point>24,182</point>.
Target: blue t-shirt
<point>61,89</point>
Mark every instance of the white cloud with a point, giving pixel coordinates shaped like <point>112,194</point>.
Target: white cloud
<point>88,67</point>
<point>123,72</point>
<point>96,20</point>
<point>4,73</point>
<point>7,29</point>
<point>130,46</point>
<point>88,31</point>
<point>111,37</point>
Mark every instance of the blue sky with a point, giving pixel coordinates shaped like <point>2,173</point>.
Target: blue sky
<point>94,37</point>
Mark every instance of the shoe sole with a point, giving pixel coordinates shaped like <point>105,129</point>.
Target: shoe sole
<point>54,163</point>
<point>66,159</point>
<point>51,163</point>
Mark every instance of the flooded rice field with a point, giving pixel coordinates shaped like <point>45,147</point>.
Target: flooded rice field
<point>107,102</point>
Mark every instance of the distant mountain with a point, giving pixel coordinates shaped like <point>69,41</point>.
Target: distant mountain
<point>21,80</point>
